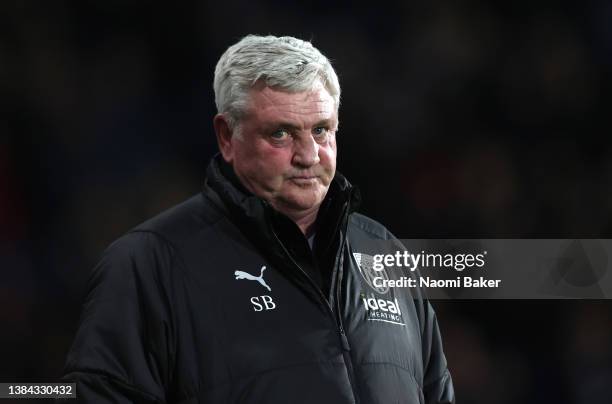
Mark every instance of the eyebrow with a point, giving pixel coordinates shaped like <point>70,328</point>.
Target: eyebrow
<point>292,126</point>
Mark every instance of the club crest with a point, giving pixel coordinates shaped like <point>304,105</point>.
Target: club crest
<point>365,263</point>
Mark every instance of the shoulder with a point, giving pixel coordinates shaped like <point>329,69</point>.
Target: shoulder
<point>156,242</point>
<point>132,259</point>
<point>180,223</point>
<point>149,253</point>
<point>368,226</point>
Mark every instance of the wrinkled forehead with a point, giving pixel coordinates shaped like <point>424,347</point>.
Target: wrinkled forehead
<point>269,103</point>
<point>316,87</point>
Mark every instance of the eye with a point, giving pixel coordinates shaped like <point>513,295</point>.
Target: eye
<point>319,131</point>
<point>280,134</point>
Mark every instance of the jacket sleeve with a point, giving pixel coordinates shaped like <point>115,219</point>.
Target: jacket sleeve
<point>122,351</point>
<point>437,381</point>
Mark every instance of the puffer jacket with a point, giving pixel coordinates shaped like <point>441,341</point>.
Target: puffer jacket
<point>222,300</point>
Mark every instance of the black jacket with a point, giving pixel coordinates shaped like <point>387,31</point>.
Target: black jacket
<point>181,310</point>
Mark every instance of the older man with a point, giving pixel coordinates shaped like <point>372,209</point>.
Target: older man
<point>251,291</point>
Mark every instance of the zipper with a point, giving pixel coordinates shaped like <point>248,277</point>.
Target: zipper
<point>312,283</point>
<point>346,348</point>
<point>345,342</point>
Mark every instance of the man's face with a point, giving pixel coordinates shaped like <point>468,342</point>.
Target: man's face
<point>286,150</point>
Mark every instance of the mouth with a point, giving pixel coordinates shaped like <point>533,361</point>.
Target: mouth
<point>304,180</point>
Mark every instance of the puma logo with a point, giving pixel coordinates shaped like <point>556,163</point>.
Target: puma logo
<point>244,275</point>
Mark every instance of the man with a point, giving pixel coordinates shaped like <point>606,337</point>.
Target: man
<point>251,291</point>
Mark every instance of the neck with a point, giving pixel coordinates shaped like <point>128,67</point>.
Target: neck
<point>305,220</point>
<point>307,223</point>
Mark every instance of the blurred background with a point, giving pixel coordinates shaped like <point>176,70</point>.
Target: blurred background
<point>458,119</point>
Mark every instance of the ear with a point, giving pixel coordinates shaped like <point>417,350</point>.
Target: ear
<point>224,137</point>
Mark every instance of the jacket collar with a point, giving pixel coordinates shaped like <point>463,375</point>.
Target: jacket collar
<point>279,238</point>
<point>341,199</point>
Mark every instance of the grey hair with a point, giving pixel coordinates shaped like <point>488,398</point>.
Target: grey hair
<point>286,63</point>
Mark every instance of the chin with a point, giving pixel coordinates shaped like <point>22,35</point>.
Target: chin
<point>302,202</point>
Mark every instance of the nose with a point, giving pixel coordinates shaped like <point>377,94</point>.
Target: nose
<point>306,152</point>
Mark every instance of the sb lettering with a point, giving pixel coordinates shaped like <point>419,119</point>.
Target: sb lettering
<point>261,303</point>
